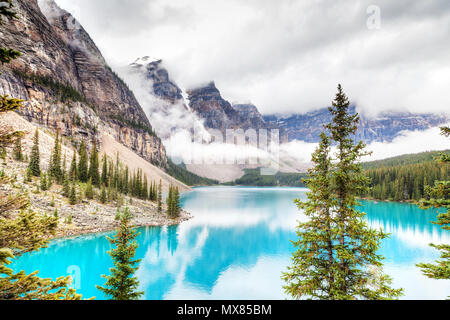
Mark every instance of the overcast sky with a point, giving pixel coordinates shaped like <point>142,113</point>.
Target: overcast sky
<point>285,55</point>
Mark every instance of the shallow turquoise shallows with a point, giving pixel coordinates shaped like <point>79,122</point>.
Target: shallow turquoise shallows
<point>236,247</point>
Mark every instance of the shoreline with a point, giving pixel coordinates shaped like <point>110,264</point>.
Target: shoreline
<point>73,233</point>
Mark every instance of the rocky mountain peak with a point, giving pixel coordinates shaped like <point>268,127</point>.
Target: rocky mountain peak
<point>162,86</point>
<point>66,83</point>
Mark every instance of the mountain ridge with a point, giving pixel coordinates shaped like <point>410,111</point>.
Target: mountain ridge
<point>58,55</point>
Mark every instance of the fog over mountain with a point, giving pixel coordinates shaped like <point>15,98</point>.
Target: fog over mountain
<point>287,56</point>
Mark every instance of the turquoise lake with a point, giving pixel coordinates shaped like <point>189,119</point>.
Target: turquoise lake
<point>236,247</point>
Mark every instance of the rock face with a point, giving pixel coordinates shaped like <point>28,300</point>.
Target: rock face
<point>251,117</point>
<point>209,105</point>
<point>66,83</point>
<point>162,87</point>
<point>385,127</point>
<point>219,114</point>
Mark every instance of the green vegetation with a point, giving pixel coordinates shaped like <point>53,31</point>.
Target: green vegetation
<point>405,178</point>
<point>122,284</point>
<point>173,202</point>
<point>116,76</point>
<point>18,153</point>
<point>438,197</point>
<point>133,124</point>
<point>83,172</point>
<point>403,160</point>
<point>73,195</point>
<point>180,173</point>
<point>94,174</point>
<point>89,191</point>
<point>28,231</point>
<point>63,92</point>
<point>253,177</point>
<point>55,160</point>
<point>34,164</point>
<point>336,252</point>
<point>159,197</point>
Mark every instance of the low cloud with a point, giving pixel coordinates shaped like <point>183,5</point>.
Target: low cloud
<point>286,56</point>
<point>407,142</point>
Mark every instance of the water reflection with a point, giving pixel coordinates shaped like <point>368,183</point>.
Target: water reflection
<point>238,244</point>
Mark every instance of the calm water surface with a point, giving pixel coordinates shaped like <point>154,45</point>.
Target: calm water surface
<point>236,247</point>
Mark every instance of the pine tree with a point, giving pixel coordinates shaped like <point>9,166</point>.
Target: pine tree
<point>314,264</point>
<point>64,168</point>
<point>348,266</point>
<point>144,193</point>
<point>55,160</point>
<point>73,171</point>
<point>176,201</point>
<point>104,177</point>
<point>169,202</point>
<point>18,154</point>
<point>35,156</point>
<point>159,197</point>
<point>121,284</point>
<point>28,232</point>
<point>89,192</point>
<point>83,163</point>
<point>28,175</point>
<point>66,188</point>
<point>73,195</point>
<point>103,197</point>
<point>94,166</point>
<point>438,197</point>
<point>44,184</point>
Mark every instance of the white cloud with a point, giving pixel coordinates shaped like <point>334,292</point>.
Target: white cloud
<point>286,56</point>
<point>406,142</point>
<point>410,142</point>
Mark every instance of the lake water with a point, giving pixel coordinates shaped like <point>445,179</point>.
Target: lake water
<point>236,247</point>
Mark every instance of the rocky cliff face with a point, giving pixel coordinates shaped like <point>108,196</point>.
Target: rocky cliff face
<point>219,114</point>
<point>66,83</point>
<point>162,86</point>
<point>385,127</point>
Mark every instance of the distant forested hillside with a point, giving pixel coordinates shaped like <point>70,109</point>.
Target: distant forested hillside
<point>404,178</point>
<point>180,173</point>
<point>400,178</point>
<point>253,177</point>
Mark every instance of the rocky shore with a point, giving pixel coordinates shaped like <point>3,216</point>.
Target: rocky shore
<point>87,216</point>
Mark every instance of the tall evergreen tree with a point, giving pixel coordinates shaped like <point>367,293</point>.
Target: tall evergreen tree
<point>439,198</point>
<point>73,171</point>
<point>159,197</point>
<point>66,187</point>
<point>103,195</point>
<point>28,232</point>
<point>176,202</point>
<point>83,175</point>
<point>169,202</point>
<point>35,160</point>
<point>104,177</point>
<point>55,160</point>
<point>121,284</point>
<point>64,167</point>
<point>18,154</point>
<point>314,264</point>
<point>89,192</point>
<point>350,272</point>
<point>94,166</point>
<point>73,194</point>
<point>144,193</point>
<point>44,183</point>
